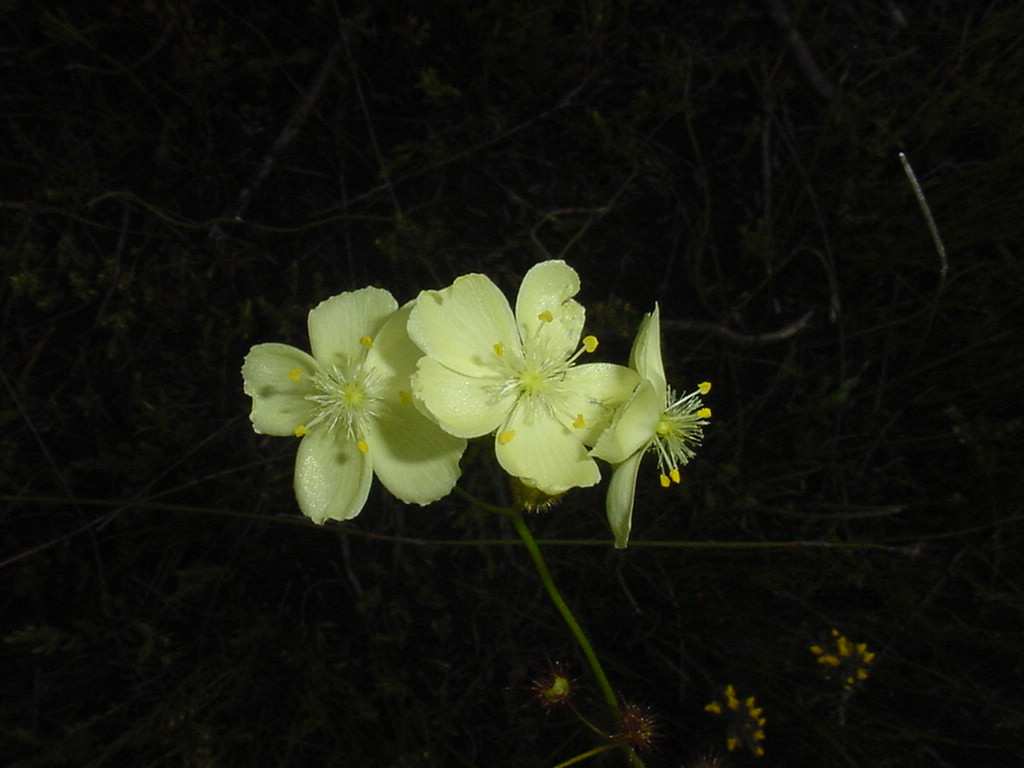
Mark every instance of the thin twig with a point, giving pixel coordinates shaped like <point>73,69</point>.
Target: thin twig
<point>927,211</point>
<point>381,166</point>
<point>804,57</point>
<point>742,339</point>
<point>284,139</point>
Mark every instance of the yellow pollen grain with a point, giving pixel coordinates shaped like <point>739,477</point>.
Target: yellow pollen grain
<point>704,387</point>
<point>578,422</point>
<point>674,474</point>
<point>295,374</point>
<point>499,349</point>
<point>590,343</point>
<point>545,316</point>
<point>366,341</point>
<point>665,482</point>
<point>300,430</point>
<point>704,413</point>
<point>506,437</point>
<point>362,446</point>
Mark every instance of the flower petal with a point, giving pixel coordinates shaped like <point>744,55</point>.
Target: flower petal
<point>593,393</point>
<point>548,287</point>
<point>332,476</point>
<point>339,326</point>
<point>413,457</point>
<point>466,326</point>
<point>619,501</point>
<point>276,377</point>
<point>633,426</point>
<point>645,357</point>
<point>464,406</point>
<point>393,355</point>
<point>543,453</point>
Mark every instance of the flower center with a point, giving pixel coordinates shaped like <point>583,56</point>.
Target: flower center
<point>679,431</point>
<point>348,396</point>
<point>536,376</point>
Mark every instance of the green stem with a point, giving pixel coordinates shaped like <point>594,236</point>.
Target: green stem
<point>574,626</point>
<point>586,755</point>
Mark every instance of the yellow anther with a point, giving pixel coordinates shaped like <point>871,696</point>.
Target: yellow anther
<point>829,661</point>
<point>749,701</point>
<point>362,446</point>
<point>665,482</point>
<point>714,708</point>
<point>499,349</point>
<point>704,413</point>
<point>862,674</point>
<point>758,735</point>
<point>835,632</point>
<point>756,712</point>
<point>704,387</point>
<point>300,430</point>
<point>849,681</point>
<point>295,374</point>
<point>506,437</point>
<point>590,343</point>
<point>758,751</point>
<point>674,474</point>
<point>862,648</point>
<point>817,650</point>
<point>404,397</point>
<point>730,691</point>
<point>868,657</point>
<point>762,722</point>
<point>578,422</point>
<point>732,743</point>
<point>545,316</point>
<point>366,341</point>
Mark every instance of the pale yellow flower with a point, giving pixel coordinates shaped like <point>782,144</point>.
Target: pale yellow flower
<point>351,404</point>
<point>487,370</point>
<point>654,419</point>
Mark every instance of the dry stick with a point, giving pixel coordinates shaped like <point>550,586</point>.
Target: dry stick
<point>742,339</point>
<point>286,137</point>
<point>927,211</point>
<point>369,125</point>
<point>804,59</point>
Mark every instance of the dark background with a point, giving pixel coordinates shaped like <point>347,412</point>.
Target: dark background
<point>165,604</point>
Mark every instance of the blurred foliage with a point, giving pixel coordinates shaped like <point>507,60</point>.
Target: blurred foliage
<point>182,180</point>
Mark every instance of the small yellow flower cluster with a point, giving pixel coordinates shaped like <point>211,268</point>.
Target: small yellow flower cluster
<point>746,720</point>
<point>850,662</point>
